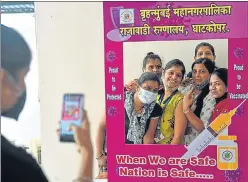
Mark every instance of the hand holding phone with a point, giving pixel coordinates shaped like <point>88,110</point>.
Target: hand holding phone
<point>72,114</point>
<point>82,135</point>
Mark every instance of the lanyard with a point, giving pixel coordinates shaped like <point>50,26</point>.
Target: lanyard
<point>146,110</point>
<point>166,102</point>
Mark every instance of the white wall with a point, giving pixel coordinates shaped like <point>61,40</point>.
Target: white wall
<point>134,53</point>
<point>70,55</point>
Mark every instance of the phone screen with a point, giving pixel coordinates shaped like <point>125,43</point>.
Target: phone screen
<point>72,113</point>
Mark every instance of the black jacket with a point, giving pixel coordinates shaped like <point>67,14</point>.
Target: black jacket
<point>18,166</point>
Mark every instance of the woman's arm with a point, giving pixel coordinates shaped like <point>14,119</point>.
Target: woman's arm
<point>131,86</point>
<point>100,138</point>
<point>85,167</point>
<point>180,124</point>
<point>149,136</point>
<point>100,135</point>
<point>195,122</point>
<point>83,141</point>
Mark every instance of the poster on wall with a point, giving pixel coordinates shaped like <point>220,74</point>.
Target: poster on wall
<point>176,90</point>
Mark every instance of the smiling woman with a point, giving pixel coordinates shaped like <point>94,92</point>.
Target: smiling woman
<point>173,121</point>
<point>218,88</point>
<point>198,104</point>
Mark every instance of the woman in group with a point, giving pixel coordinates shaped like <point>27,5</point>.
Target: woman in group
<point>203,50</point>
<point>151,63</point>
<point>203,103</point>
<point>173,122</point>
<point>218,90</point>
<point>141,110</point>
<point>141,118</point>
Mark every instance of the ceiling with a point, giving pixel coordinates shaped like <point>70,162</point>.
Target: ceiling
<point>17,7</point>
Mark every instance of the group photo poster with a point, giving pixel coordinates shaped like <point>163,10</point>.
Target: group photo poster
<point>176,88</point>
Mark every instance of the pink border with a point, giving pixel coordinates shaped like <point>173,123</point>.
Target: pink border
<point>237,38</point>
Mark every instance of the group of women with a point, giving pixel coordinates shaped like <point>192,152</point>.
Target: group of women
<point>164,107</point>
<point>161,107</point>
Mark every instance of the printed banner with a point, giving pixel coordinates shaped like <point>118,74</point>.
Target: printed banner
<point>151,133</point>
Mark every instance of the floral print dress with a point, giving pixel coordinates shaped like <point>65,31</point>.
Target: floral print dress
<point>205,116</point>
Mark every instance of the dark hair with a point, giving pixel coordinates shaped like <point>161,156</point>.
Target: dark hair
<point>203,44</point>
<point>150,55</point>
<point>210,65</point>
<point>189,75</point>
<point>15,52</point>
<point>148,76</point>
<point>175,62</point>
<point>222,74</point>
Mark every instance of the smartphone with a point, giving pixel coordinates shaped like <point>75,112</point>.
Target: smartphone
<point>72,113</point>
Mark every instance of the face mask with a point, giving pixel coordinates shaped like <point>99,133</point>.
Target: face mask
<point>147,97</point>
<point>12,81</point>
<point>201,86</point>
<point>14,113</point>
